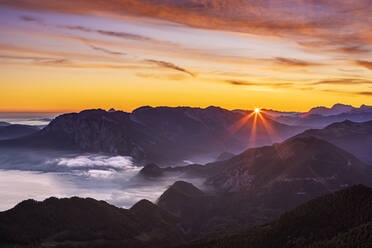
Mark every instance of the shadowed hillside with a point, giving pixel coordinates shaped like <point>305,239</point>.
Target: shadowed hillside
<point>341,219</point>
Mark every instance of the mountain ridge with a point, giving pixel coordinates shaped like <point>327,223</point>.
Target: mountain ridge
<point>147,132</point>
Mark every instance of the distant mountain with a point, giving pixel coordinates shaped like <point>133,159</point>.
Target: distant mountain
<point>334,110</point>
<point>337,220</point>
<point>354,137</point>
<point>12,131</point>
<point>77,222</point>
<point>321,117</point>
<point>161,134</point>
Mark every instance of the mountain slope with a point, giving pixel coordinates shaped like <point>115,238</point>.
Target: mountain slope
<point>87,223</point>
<point>161,134</point>
<point>354,137</point>
<point>307,162</point>
<point>340,219</point>
<point>261,183</point>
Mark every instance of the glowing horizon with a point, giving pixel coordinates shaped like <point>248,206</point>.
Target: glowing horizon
<point>67,56</point>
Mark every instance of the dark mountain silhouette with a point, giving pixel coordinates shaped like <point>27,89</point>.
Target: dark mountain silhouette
<point>187,202</point>
<point>77,222</point>
<point>353,137</point>
<point>12,131</point>
<point>340,219</point>
<point>157,134</point>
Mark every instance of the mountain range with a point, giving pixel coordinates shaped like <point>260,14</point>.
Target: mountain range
<point>259,184</point>
<point>320,117</point>
<point>277,168</point>
<point>338,219</point>
<point>161,134</point>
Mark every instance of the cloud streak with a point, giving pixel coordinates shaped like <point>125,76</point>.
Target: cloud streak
<point>366,64</point>
<point>105,50</point>
<point>169,65</point>
<point>122,35</point>
<point>294,62</point>
<point>322,19</point>
<point>271,85</point>
<point>346,81</point>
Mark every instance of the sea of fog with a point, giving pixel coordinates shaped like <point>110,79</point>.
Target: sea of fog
<point>36,174</point>
<point>27,118</point>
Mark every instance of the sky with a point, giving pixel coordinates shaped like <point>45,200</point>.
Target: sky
<point>291,55</point>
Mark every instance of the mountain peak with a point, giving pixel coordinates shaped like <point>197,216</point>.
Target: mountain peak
<point>185,188</point>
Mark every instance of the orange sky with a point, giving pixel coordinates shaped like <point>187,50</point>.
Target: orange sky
<point>72,55</point>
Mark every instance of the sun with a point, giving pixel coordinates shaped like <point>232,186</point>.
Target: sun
<point>257,110</point>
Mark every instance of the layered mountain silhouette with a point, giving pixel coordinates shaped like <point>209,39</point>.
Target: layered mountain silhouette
<point>77,222</point>
<point>261,183</point>
<point>338,219</point>
<point>157,134</point>
<point>321,117</point>
<point>334,110</point>
<point>341,219</point>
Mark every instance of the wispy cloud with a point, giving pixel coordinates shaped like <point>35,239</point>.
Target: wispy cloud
<point>366,64</point>
<point>344,81</point>
<point>294,62</point>
<point>105,50</point>
<point>123,35</point>
<point>273,18</point>
<point>170,66</point>
<point>365,93</point>
<point>247,83</point>
<point>27,18</point>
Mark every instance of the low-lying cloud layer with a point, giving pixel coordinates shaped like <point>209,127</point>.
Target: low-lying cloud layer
<point>38,174</point>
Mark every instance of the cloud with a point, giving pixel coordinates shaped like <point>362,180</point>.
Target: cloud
<point>340,45</point>
<point>326,20</point>
<point>170,66</point>
<point>365,93</point>
<point>37,60</point>
<point>105,50</point>
<point>30,19</point>
<point>246,83</point>
<point>95,161</point>
<point>294,62</point>
<point>122,35</point>
<point>345,81</point>
<point>366,64</point>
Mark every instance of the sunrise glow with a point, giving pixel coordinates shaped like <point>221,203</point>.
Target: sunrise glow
<point>73,55</point>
